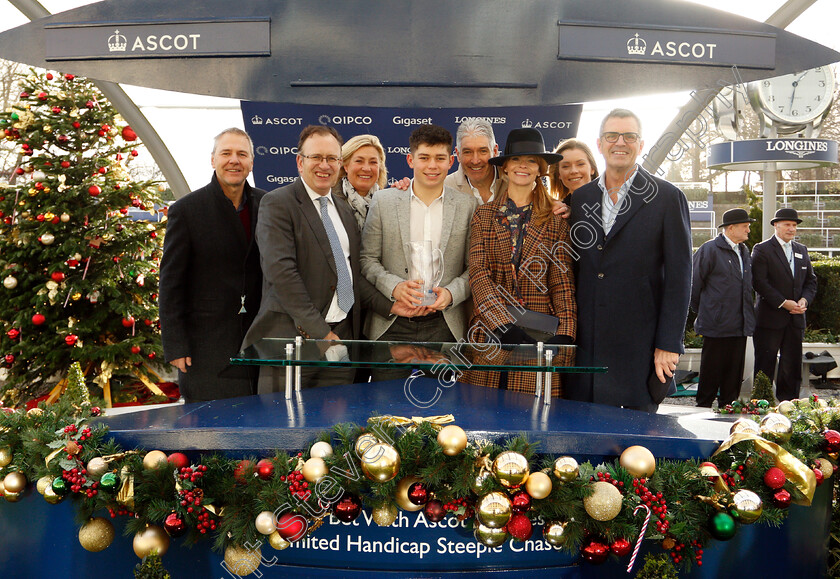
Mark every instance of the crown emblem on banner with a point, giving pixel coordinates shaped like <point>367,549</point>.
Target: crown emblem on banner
<point>527,124</point>
<point>117,42</point>
<point>256,120</point>
<point>636,46</point>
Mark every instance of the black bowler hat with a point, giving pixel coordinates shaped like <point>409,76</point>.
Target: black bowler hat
<point>786,214</point>
<point>734,216</point>
<point>522,142</point>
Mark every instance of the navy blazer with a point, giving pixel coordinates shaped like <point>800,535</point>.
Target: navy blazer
<point>632,287</point>
<point>774,283</point>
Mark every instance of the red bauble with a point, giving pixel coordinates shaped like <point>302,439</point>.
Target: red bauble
<point>63,138</point>
<point>13,334</point>
<point>134,153</point>
<point>76,124</point>
<point>55,220</point>
<point>179,460</point>
<point>42,96</point>
<point>57,276</point>
<point>90,104</point>
<point>621,547</point>
<point>71,339</point>
<point>265,468</point>
<point>56,110</point>
<point>38,319</point>
<point>348,508</point>
<point>94,190</point>
<point>434,510</point>
<point>49,76</point>
<point>39,217</point>
<point>819,475</point>
<point>151,355</point>
<point>20,171</point>
<point>153,234</point>
<point>24,95</point>
<point>95,411</point>
<point>781,498</point>
<point>774,477</point>
<point>595,552</point>
<point>174,525</point>
<point>291,527</point>
<point>519,526</point>
<point>128,322</point>
<point>243,472</point>
<point>831,441</point>
<point>135,349</point>
<point>521,502</point>
<point>128,134</point>
<point>65,164</point>
<point>9,359</point>
<point>69,76</point>
<point>418,494</point>
<point>148,322</point>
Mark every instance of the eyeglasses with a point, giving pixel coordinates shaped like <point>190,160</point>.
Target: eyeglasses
<point>331,159</point>
<point>629,138</point>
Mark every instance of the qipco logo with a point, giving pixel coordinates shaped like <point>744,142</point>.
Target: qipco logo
<point>344,120</point>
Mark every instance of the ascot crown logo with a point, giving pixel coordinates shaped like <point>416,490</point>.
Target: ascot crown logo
<point>636,46</point>
<point>527,124</point>
<point>256,120</point>
<point>117,42</point>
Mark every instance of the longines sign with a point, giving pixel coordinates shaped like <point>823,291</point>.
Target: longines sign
<point>100,40</point>
<point>588,41</point>
<point>786,153</point>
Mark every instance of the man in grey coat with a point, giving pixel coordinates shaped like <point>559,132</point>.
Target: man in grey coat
<point>721,294</point>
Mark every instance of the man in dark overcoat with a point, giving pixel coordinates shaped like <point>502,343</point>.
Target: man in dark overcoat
<point>785,285</point>
<point>631,234</point>
<point>722,296</point>
<point>210,279</point>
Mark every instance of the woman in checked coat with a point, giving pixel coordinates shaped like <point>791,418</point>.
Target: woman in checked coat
<point>519,255</point>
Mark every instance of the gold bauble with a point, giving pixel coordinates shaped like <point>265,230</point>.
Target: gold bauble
<point>825,467</point>
<point>538,485</point>
<point>776,428</point>
<point>96,534</point>
<point>43,483</point>
<point>5,455</point>
<point>64,217</point>
<point>452,439</point>
<point>381,462</point>
<point>746,506</point>
<point>97,466</point>
<point>34,412</point>
<point>493,510</point>
<point>822,403</point>
<point>745,426</point>
<point>76,296</point>
<point>638,461</point>
<point>242,561</point>
<point>14,482</point>
<point>266,523</point>
<point>604,503</point>
<point>47,238</point>
<point>511,469</point>
<point>385,515</point>
<point>12,497</point>
<point>364,442</point>
<point>154,459</point>
<point>51,496</point>
<point>401,494</point>
<point>834,456</point>
<point>480,481</point>
<point>554,533</point>
<point>321,450</point>
<point>314,469</point>
<point>566,469</point>
<point>490,536</point>
<point>152,538</point>
<point>277,541</point>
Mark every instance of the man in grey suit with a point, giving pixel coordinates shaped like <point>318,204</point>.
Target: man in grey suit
<point>312,285</point>
<point>475,146</point>
<point>427,212</point>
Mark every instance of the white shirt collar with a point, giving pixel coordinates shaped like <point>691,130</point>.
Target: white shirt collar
<point>313,194</point>
<point>783,243</point>
<point>731,243</point>
<point>412,196</point>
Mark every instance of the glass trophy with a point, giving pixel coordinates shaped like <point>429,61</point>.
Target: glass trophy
<point>426,266</point>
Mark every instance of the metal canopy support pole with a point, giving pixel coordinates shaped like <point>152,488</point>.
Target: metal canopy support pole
<point>768,204</point>
<point>33,10</point>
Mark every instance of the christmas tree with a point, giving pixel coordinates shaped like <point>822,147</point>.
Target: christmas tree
<point>80,277</point>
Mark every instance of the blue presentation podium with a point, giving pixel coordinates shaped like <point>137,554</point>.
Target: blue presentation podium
<point>41,540</point>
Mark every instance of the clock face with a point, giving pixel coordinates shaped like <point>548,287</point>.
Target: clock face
<point>797,98</point>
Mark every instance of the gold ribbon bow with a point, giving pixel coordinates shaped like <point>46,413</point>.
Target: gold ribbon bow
<point>796,472</point>
<point>414,421</point>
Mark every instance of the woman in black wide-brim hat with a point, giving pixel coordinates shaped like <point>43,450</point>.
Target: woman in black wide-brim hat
<point>518,257</point>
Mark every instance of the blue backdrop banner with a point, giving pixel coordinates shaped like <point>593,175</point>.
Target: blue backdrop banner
<point>274,128</point>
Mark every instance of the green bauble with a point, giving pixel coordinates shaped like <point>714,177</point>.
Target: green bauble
<point>108,480</point>
<point>722,526</point>
<point>59,486</point>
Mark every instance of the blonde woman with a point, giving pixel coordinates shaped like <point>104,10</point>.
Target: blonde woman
<point>362,173</point>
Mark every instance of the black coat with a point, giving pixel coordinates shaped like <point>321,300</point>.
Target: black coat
<point>774,283</point>
<point>720,294</point>
<point>208,264</point>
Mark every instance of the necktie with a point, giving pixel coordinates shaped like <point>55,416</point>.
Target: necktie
<point>344,287</point>
<point>789,254</point>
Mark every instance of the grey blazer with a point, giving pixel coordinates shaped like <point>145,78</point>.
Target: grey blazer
<point>385,257</point>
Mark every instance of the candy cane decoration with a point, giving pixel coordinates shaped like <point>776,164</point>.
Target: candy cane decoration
<point>641,535</point>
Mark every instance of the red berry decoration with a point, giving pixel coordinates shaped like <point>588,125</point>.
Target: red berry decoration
<point>621,547</point>
<point>179,460</point>
<point>774,477</point>
<point>38,319</point>
<point>781,498</point>
<point>57,276</point>
<point>831,441</point>
<point>71,339</point>
<point>595,552</point>
<point>95,411</point>
<point>94,190</point>
<point>265,469</point>
<point>434,510</point>
<point>520,528</point>
<point>174,525</point>
<point>418,494</point>
<point>128,322</point>
<point>348,508</point>
<point>291,527</point>
<point>13,334</point>
<point>521,502</point>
